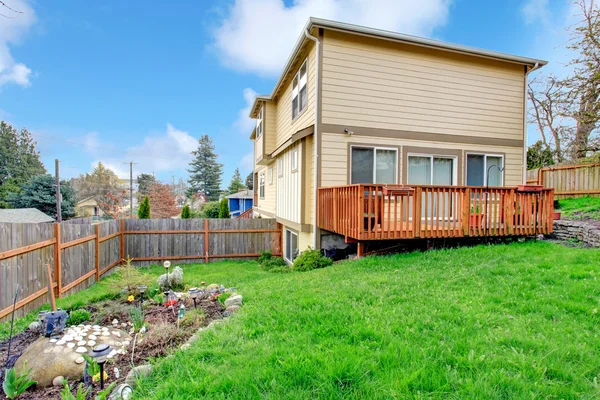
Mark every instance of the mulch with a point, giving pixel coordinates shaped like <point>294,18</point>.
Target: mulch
<point>144,351</point>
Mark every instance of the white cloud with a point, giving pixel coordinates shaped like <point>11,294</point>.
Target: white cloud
<point>14,25</point>
<point>258,35</point>
<point>247,163</point>
<point>244,124</point>
<point>170,151</point>
<point>536,10</point>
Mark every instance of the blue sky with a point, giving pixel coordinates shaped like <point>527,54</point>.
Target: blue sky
<point>141,81</point>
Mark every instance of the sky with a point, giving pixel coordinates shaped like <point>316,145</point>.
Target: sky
<point>118,81</point>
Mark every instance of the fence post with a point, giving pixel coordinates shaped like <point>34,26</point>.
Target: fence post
<point>206,240</point>
<point>97,252</point>
<point>57,260</point>
<point>122,244</point>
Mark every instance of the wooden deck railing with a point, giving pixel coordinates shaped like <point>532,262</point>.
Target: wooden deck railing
<point>246,214</point>
<point>378,212</point>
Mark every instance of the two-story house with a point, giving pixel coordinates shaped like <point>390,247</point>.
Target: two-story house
<point>361,106</point>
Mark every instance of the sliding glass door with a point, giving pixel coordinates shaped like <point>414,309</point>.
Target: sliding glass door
<point>433,170</point>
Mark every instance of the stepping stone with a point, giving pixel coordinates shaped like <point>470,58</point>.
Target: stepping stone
<point>81,350</point>
<point>48,350</point>
<point>116,333</point>
<point>126,343</point>
<point>79,360</point>
<point>106,333</point>
<point>60,342</point>
<point>78,338</point>
<point>105,329</point>
<point>92,337</point>
<point>70,345</point>
<point>91,343</point>
<point>68,338</point>
<point>53,340</point>
<point>81,343</point>
<point>118,344</point>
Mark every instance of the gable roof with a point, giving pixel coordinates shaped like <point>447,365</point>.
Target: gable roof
<point>242,194</point>
<point>313,23</point>
<point>24,215</point>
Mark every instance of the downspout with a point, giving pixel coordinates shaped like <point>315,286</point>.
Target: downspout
<point>316,137</point>
<point>536,66</point>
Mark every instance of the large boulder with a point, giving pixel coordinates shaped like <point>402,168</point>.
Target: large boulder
<point>235,300</point>
<point>48,358</point>
<point>136,373</point>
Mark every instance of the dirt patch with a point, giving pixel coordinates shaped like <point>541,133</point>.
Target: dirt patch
<point>162,337</point>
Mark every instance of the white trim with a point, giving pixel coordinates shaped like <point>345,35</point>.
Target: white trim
<point>485,156</point>
<point>279,167</point>
<point>432,156</point>
<point>375,148</point>
<point>271,176</point>
<point>294,160</point>
<point>259,123</point>
<point>299,86</point>
<point>288,243</point>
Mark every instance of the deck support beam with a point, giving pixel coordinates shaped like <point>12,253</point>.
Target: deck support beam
<point>360,250</point>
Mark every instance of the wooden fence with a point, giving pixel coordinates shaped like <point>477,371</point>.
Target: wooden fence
<point>80,254</point>
<point>568,180</point>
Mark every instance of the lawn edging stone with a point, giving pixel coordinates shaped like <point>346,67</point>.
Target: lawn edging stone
<point>584,231</point>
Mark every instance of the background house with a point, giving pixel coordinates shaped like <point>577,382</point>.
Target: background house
<point>88,208</point>
<point>240,202</point>
<point>24,215</point>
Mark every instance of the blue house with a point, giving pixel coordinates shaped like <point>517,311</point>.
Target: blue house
<point>240,202</point>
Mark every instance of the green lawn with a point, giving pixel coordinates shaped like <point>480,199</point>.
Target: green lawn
<point>581,208</point>
<point>516,321</point>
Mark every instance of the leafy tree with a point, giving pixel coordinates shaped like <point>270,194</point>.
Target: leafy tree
<point>567,111</point>
<point>144,210</point>
<point>145,181</point>
<point>205,171</point>
<point>185,212</point>
<point>224,209</point>
<point>40,193</point>
<point>250,181</point>
<point>100,182</point>
<point>539,155</point>
<point>162,201</point>
<point>236,182</point>
<point>210,210</point>
<point>19,161</point>
<point>112,204</point>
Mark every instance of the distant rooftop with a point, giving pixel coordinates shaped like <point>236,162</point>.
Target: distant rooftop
<point>242,194</point>
<point>24,215</point>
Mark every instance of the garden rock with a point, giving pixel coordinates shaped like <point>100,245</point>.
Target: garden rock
<point>235,300</point>
<point>34,326</point>
<point>58,381</point>
<point>232,309</point>
<point>121,392</point>
<point>212,286</point>
<point>137,373</point>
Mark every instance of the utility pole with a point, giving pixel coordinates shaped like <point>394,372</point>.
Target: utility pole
<point>57,174</point>
<point>130,187</point>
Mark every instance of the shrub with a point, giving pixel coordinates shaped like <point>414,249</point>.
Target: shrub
<point>311,259</point>
<point>144,210</point>
<point>129,277</point>
<point>186,213</point>
<point>137,318</point>
<point>174,280</point>
<point>15,384</point>
<point>269,263</point>
<point>79,316</point>
<point>224,209</point>
<point>210,210</point>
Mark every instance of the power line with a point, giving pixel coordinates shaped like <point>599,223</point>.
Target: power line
<point>97,147</point>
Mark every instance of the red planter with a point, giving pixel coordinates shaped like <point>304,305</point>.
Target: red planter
<point>556,215</point>
<point>475,220</point>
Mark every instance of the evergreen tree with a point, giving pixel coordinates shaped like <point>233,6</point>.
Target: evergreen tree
<point>205,171</point>
<point>186,213</point>
<point>19,161</point>
<point>250,181</point>
<point>144,210</point>
<point>145,181</point>
<point>98,184</point>
<point>224,209</point>
<point>40,193</point>
<point>539,155</point>
<point>236,182</point>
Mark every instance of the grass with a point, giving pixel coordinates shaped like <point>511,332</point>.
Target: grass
<point>516,321</point>
<point>581,208</point>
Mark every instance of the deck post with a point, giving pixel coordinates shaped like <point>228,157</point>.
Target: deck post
<point>466,212</point>
<point>417,212</point>
<point>360,250</point>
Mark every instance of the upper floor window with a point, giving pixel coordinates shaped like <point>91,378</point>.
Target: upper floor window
<point>261,185</point>
<point>279,167</point>
<point>294,160</point>
<point>299,91</point>
<point>484,170</point>
<point>259,123</point>
<point>271,176</point>
<point>373,165</point>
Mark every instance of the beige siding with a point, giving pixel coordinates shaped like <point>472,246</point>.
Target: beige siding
<point>309,187</point>
<point>334,155</point>
<point>258,148</point>
<point>270,125</point>
<point>284,125</point>
<point>268,203</point>
<point>379,84</point>
<point>289,188</point>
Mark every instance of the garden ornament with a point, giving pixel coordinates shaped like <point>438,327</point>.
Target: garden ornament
<point>99,354</point>
<point>54,322</point>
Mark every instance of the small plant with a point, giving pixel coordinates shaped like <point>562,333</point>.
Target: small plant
<point>224,296</point>
<point>270,263</point>
<point>144,210</point>
<point>15,384</point>
<point>79,316</point>
<point>475,209</point>
<point>172,280</point>
<point>311,259</point>
<point>224,209</point>
<point>93,368</point>
<point>186,212</point>
<point>137,318</point>
<point>130,277</point>
<point>65,393</point>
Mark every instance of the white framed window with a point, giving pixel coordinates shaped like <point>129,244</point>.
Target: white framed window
<point>271,176</point>
<point>485,169</point>
<point>373,165</point>
<point>259,123</point>
<point>291,245</point>
<point>280,167</point>
<point>261,185</point>
<point>294,160</point>
<point>300,91</point>
<point>429,169</point>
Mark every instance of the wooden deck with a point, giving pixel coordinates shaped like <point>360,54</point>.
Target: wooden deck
<point>386,212</point>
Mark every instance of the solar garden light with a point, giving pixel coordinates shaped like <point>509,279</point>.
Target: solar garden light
<point>167,265</point>
<point>99,354</point>
<point>142,289</point>
<point>194,295</point>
